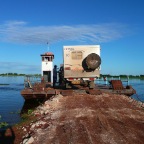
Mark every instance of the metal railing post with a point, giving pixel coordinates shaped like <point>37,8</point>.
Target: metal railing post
<point>127,80</point>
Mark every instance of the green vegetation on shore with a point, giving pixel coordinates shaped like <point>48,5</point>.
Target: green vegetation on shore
<point>101,75</point>
<point>123,76</point>
<point>3,124</point>
<point>16,74</point>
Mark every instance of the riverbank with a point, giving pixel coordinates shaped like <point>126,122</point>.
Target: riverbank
<point>82,118</point>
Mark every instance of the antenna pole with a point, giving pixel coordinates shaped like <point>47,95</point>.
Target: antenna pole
<point>47,46</point>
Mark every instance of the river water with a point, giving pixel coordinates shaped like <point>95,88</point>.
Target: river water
<point>11,101</point>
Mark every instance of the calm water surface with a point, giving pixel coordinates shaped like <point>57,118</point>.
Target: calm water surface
<point>11,101</point>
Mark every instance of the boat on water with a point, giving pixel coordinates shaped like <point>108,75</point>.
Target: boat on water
<point>37,88</point>
<point>78,73</point>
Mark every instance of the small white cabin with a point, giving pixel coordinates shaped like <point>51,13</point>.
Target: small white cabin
<point>47,66</point>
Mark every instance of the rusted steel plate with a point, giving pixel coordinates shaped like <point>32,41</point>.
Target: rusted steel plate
<point>117,84</point>
<point>57,92</point>
<point>39,94</point>
<point>51,91</point>
<point>129,87</point>
<point>26,91</point>
<point>67,92</point>
<point>94,92</point>
<point>79,91</point>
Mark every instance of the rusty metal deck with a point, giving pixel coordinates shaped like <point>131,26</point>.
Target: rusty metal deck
<point>41,91</point>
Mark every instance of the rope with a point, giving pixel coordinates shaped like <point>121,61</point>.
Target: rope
<point>139,98</point>
<point>135,102</point>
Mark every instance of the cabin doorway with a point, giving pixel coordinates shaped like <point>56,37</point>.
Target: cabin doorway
<point>47,76</point>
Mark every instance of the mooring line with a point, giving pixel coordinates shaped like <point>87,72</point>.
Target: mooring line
<point>139,98</point>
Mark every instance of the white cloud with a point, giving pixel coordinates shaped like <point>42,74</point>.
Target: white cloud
<point>21,32</point>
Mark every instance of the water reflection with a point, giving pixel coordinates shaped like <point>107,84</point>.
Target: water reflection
<point>11,101</point>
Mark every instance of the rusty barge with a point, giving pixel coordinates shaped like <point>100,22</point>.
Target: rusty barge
<point>44,90</point>
<point>78,74</point>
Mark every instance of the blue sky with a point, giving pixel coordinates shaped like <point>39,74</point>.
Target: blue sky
<point>27,25</point>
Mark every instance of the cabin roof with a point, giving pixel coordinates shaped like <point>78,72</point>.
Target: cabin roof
<point>47,54</point>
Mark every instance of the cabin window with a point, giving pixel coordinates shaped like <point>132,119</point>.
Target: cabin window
<point>76,55</point>
<point>46,58</point>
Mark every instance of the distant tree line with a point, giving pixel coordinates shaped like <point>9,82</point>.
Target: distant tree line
<point>16,74</point>
<point>142,76</point>
<point>122,76</point>
<point>101,75</point>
